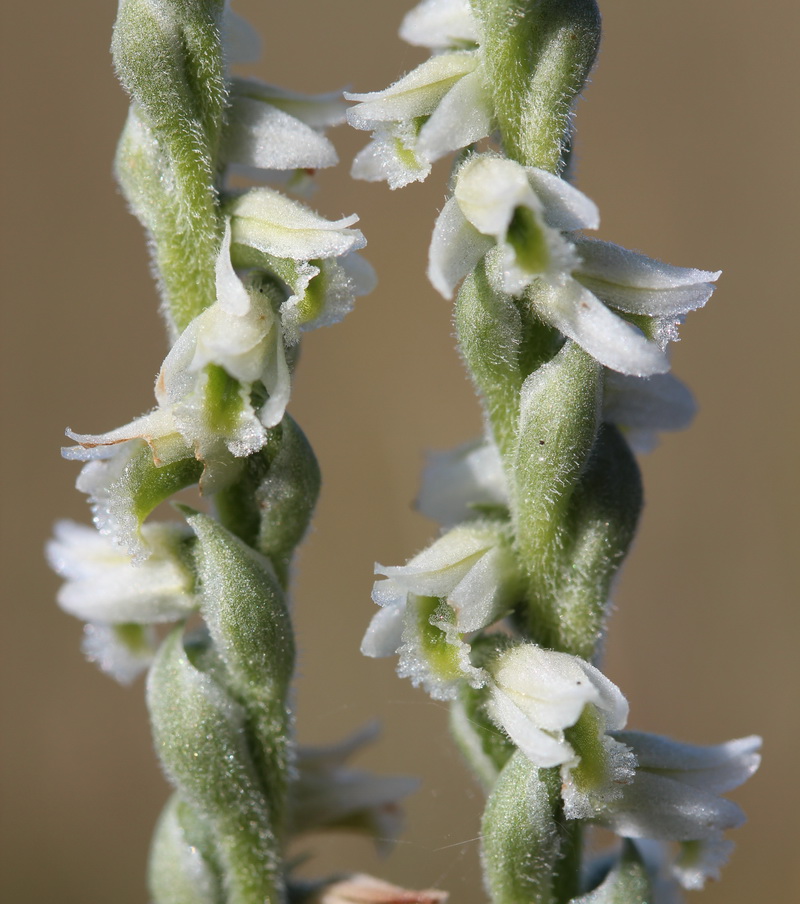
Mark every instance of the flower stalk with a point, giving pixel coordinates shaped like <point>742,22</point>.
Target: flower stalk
<point>565,340</point>
<point>202,603</point>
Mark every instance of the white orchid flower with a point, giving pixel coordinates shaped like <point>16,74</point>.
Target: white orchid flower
<point>460,484</point>
<point>120,601</point>
<point>557,709</point>
<point>462,583</point>
<point>103,585</point>
<point>439,107</point>
<point>525,220</point>
<point>267,129</point>
<point>327,794</point>
<point>205,389</point>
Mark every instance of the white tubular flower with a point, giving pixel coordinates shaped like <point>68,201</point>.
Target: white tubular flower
<point>440,25</point>
<point>103,585</point>
<point>439,107</point>
<point>557,709</point>
<point>675,796</point>
<point>464,582</point>
<point>328,795</point>
<point>363,889</point>
<point>524,219</point>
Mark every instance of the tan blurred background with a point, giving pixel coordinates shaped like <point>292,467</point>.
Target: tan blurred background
<point>688,140</point>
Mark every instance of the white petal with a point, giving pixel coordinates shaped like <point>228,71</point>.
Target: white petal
<point>456,247</point>
<point>440,24</point>
<point>262,136</point>
<point>416,94</point>
<point>277,381</point>
<point>574,311</point>
<point>542,748</point>
<point>455,481</point>
<point>439,568</point>
<point>614,264</point>
<point>158,429</point>
<point>660,402</point>
<point>565,207</point>
<point>231,294</point>
<point>271,222</point>
<point>488,191</point>
<point>486,593</point>
<point>664,303</point>
<point>715,768</point>
<point>610,698</point>
<point>463,116</point>
<point>316,110</point>
<point>550,688</point>
<point>701,860</point>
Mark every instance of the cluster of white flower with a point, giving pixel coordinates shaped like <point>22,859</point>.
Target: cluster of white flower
<point>281,269</point>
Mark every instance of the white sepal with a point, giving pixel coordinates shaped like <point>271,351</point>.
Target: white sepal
<point>463,116</point>
<point>316,110</point>
<point>641,406</point>
<point>456,247</point>
<point>363,889</point>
